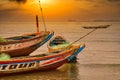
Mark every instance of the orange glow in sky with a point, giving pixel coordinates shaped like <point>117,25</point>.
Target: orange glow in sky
<point>55,9</point>
<point>62,10</point>
<point>50,8</point>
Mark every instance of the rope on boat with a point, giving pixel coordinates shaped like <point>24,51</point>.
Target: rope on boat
<point>75,41</point>
<point>42,16</point>
<point>83,36</point>
<point>94,29</point>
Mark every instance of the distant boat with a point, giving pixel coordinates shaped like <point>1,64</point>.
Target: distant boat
<point>58,44</point>
<point>71,20</point>
<point>42,62</point>
<point>96,27</point>
<point>25,44</point>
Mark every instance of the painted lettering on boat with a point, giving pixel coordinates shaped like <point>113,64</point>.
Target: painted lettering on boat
<point>7,67</point>
<point>19,45</point>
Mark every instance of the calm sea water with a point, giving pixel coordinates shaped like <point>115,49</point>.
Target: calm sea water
<point>100,60</point>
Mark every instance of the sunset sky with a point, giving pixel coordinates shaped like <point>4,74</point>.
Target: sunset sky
<point>60,10</point>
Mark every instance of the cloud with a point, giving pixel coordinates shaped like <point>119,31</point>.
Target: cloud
<point>1,5</point>
<point>113,0</point>
<point>19,1</point>
<point>113,3</point>
<point>101,1</point>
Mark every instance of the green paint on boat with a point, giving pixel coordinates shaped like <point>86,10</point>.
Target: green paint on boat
<point>60,46</point>
<point>4,56</point>
<point>2,39</point>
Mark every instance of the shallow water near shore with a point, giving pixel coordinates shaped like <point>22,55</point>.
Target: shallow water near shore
<point>100,60</point>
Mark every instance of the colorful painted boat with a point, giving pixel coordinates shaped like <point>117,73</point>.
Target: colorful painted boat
<point>72,58</point>
<point>25,44</point>
<point>43,62</point>
<point>57,43</point>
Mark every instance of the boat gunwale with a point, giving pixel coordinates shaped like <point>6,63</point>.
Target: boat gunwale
<point>32,58</point>
<point>25,40</point>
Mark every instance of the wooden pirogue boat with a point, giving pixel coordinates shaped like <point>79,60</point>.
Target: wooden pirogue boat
<point>96,27</point>
<point>57,43</point>
<point>25,44</point>
<point>41,62</point>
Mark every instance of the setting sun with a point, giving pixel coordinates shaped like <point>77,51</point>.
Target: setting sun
<point>51,8</point>
<point>33,6</point>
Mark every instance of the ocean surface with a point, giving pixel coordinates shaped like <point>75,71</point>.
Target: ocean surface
<point>100,60</point>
